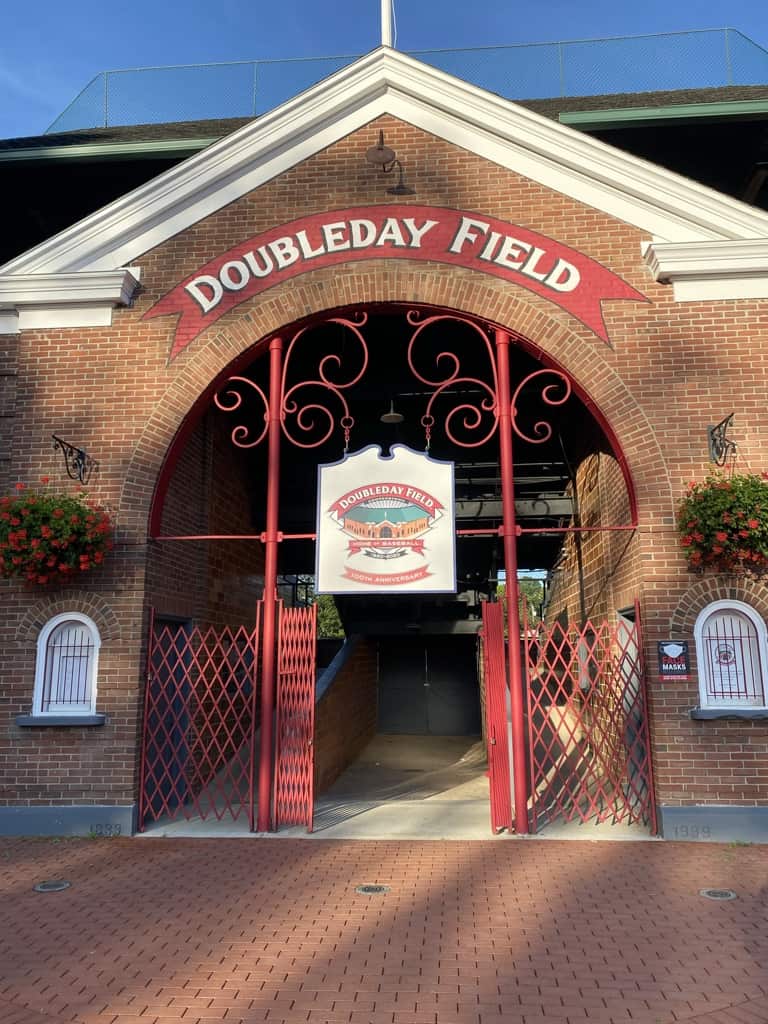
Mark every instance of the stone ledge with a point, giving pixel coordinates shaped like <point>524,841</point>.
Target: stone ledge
<point>708,714</point>
<point>37,721</point>
<point>68,820</point>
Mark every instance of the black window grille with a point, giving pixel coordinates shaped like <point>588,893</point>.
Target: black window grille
<point>732,664</point>
<point>67,683</point>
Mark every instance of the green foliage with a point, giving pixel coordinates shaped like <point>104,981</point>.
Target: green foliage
<point>328,621</point>
<point>723,523</point>
<point>531,593</point>
<point>46,536</point>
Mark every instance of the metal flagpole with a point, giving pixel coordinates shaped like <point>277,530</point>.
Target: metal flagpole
<point>386,22</point>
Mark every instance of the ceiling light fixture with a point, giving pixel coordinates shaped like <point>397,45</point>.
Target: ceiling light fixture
<point>392,416</point>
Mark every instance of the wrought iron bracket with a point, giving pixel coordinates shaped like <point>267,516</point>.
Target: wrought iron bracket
<point>78,462</point>
<point>720,445</point>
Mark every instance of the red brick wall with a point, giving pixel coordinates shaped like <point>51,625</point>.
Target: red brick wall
<point>345,716</point>
<point>8,347</point>
<point>658,385</point>
<point>597,573</point>
<point>210,582</point>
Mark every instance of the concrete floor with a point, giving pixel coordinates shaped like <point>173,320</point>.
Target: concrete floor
<point>403,787</point>
<point>409,787</point>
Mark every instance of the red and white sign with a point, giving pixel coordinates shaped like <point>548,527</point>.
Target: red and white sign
<point>385,525</point>
<point>566,276</point>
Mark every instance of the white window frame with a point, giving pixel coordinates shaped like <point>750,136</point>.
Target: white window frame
<point>48,629</point>
<point>762,650</point>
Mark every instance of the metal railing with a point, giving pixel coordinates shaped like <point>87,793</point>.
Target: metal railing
<point>699,59</point>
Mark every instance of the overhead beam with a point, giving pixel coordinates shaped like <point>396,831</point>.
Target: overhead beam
<point>536,508</point>
<point>480,508</point>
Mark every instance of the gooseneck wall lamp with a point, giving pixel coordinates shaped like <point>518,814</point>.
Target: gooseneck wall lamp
<point>385,159</point>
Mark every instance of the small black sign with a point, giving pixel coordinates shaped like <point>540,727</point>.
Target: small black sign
<point>674,661</point>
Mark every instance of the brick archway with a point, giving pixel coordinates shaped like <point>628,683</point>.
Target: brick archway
<point>544,343</point>
<point>722,587</point>
<point>546,333</point>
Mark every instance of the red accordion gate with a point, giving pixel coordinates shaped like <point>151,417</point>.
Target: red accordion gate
<point>589,745</point>
<point>295,731</point>
<point>497,715</point>
<point>200,721</point>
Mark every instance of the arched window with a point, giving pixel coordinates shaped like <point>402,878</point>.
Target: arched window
<point>67,664</point>
<point>732,655</point>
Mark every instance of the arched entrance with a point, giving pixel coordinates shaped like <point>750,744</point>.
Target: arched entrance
<point>519,434</point>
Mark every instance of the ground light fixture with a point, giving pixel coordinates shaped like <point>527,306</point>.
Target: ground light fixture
<point>385,158</point>
<point>53,885</point>
<point>717,894</point>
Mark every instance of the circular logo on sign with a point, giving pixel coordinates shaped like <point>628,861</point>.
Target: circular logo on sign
<point>725,654</point>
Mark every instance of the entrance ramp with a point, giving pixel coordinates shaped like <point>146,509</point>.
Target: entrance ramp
<point>409,787</point>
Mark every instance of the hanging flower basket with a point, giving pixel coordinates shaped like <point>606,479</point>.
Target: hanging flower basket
<point>47,537</point>
<point>723,523</point>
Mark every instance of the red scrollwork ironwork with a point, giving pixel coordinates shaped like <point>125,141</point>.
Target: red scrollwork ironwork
<point>313,415</point>
<point>230,399</point>
<point>472,413</point>
<point>541,428</point>
<point>306,414</point>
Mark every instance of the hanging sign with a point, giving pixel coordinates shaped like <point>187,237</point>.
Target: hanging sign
<point>385,525</point>
<point>674,660</point>
<point>565,276</point>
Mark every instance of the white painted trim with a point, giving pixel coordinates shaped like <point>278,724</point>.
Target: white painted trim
<point>762,643</point>
<point>113,286</point>
<point>49,317</point>
<point>86,299</point>
<point>9,321</point>
<point>670,261</point>
<point>93,674</point>
<point>655,200</point>
<point>732,269</point>
<point>709,289</point>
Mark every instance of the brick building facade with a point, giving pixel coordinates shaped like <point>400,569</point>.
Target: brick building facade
<point>82,360</point>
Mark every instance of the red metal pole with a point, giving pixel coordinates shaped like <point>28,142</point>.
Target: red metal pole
<point>509,535</point>
<point>271,541</point>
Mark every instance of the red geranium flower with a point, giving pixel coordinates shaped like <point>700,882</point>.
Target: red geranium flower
<point>731,522</point>
<point>48,535</point>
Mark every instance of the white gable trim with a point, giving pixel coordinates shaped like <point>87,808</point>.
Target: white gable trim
<point>667,206</point>
<point>711,270</point>
<point>85,299</point>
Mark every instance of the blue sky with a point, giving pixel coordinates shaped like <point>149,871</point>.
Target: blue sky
<point>50,50</point>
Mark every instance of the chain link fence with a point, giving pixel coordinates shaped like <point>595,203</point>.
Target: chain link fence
<point>651,63</point>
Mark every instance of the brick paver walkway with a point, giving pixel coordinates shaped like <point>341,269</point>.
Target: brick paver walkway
<point>244,931</point>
